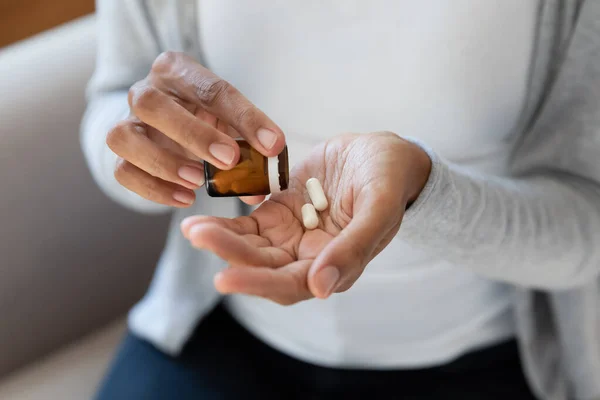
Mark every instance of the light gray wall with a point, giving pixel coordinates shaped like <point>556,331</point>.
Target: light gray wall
<point>70,260</point>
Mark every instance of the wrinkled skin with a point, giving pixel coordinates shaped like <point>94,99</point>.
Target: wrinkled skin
<point>181,114</point>
<point>368,180</point>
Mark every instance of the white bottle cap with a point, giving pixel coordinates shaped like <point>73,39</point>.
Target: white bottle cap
<point>273,171</point>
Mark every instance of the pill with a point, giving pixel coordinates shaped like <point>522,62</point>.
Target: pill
<point>310,219</point>
<point>316,193</point>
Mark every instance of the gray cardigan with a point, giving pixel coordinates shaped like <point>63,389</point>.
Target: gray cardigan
<point>536,229</point>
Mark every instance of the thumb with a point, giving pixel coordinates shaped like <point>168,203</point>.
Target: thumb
<point>343,260</point>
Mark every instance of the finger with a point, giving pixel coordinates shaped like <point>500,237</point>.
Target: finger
<point>234,248</point>
<point>239,225</point>
<point>252,200</point>
<point>259,241</point>
<point>343,260</point>
<point>200,86</point>
<point>129,141</point>
<point>204,115</point>
<point>223,126</point>
<point>151,187</point>
<point>162,112</point>
<point>286,285</point>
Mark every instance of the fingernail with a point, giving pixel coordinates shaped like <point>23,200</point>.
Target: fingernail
<point>222,152</point>
<point>326,280</point>
<point>191,174</point>
<point>266,138</point>
<point>183,197</point>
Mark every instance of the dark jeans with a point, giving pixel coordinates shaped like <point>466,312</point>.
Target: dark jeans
<point>224,361</point>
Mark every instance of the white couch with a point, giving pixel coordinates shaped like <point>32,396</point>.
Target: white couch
<point>71,262</point>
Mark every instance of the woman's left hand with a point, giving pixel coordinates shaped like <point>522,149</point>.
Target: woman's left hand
<point>368,179</point>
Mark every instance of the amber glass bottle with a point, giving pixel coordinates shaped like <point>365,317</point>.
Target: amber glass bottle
<point>253,175</point>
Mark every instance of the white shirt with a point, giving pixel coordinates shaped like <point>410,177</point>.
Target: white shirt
<point>451,74</point>
<point>539,232</point>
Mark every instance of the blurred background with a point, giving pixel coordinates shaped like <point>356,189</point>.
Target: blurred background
<point>71,262</point>
<point>20,19</point>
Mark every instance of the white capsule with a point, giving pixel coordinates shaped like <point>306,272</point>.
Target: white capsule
<point>316,193</point>
<point>310,219</point>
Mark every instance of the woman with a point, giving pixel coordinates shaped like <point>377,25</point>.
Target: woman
<point>460,263</point>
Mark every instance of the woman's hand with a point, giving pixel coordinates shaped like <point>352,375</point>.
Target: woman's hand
<point>182,113</point>
<point>368,179</point>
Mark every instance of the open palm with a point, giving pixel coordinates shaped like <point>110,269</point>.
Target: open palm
<point>272,255</point>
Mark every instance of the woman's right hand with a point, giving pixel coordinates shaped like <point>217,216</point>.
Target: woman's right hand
<point>182,113</point>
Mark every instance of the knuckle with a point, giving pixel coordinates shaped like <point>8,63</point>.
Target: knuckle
<point>119,136</point>
<point>132,93</point>
<point>247,117</point>
<point>143,97</point>
<point>355,253</point>
<point>383,197</point>
<point>389,200</point>
<point>358,254</point>
<point>151,190</point>
<point>189,134</point>
<point>164,62</point>
<point>122,171</point>
<point>116,137</point>
<point>211,89</point>
<point>156,164</point>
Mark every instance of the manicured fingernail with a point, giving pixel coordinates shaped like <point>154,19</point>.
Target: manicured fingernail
<point>326,280</point>
<point>183,197</point>
<point>191,174</point>
<point>222,152</point>
<point>266,137</point>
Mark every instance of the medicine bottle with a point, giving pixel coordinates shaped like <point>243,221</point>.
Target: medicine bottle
<point>253,175</point>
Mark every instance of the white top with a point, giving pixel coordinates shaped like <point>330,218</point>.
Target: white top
<point>447,73</point>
